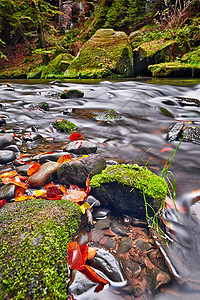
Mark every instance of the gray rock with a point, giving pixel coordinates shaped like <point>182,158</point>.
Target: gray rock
<point>103,224</point>
<point>76,171</point>
<point>81,147</point>
<point>101,213</point>
<point>143,246</point>
<point>6,156</point>
<point>183,101</point>
<point>119,229</point>
<point>22,170</point>
<point>7,192</point>
<point>13,148</point>
<point>5,140</point>
<point>125,245</point>
<point>70,94</point>
<point>51,156</point>
<point>175,132</point>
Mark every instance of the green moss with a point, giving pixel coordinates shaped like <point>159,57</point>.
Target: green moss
<point>150,48</point>
<point>33,248</point>
<point>106,54</point>
<point>134,176</point>
<point>64,125</point>
<point>71,94</point>
<point>175,69</point>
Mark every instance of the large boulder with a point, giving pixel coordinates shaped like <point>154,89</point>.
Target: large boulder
<point>76,171</point>
<point>126,188</point>
<point>154,52</point>
<point>107,54</point>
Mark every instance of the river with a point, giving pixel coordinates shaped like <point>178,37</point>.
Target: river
<point>139,135</point>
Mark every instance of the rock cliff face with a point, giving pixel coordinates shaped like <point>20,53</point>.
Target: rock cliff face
<point>107,54</point>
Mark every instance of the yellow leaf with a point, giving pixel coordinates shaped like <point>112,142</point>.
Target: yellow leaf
<point>84,207</point>
<point>23,198</point>
<point>40,193</point>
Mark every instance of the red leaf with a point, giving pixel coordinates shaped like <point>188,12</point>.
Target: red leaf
<point>77,256</point>
<point>2,202</point>
<point>64,158</point>
<point>19,191</point>
<point>52,192</point>
<point>93,276</point>
<point>76,136</point>
<point>78,145</point>
<point>33,169</point>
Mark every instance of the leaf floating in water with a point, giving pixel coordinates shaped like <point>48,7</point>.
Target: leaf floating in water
<point>166,149</point>
<point>76,136</point>
<point>77,256</point>
<point>2,202</point>
<point>93,276</point>
<point>33,169</point>
<point>64,158</point>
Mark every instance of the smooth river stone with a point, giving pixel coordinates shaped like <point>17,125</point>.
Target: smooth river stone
<point>6,139</point>
<point>6,156</point>
<point>7,192</point>
<point>81,147</point>
<point>43,175</point>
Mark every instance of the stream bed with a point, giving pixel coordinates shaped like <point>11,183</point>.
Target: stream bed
<point>146,109</point>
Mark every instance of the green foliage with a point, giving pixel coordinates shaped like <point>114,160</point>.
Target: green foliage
<point>33,248</point>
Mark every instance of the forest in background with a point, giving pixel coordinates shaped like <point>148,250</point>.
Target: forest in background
<point>34,32</point>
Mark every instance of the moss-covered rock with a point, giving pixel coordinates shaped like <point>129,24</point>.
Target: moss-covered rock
<point>64,125</point>
<point>106,54</point>
<point>174,69</point>
<point>156,51</point>
<point>33,248</point>
<point>123,187</point>
<point>72,93</point>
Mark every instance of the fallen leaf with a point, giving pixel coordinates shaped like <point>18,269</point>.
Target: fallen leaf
<point>19,191</point>
<point>40,193</point>
<point>93,276</point>
<point>2,202</point>
<point>50,184</point>
<point>53,193</point>
<point>9,174</point>
<point>76,195</point>
<point>64,158</point>
<point>77,255</point>
<point>63,189</point>
<point>76,136</point>
<point>23,198</point>
<point>166,149</point>
<point>33,169</point>
<point>91,252</point>
<point>84,206</point>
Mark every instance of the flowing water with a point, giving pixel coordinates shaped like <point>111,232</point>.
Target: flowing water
<point>138,135</point>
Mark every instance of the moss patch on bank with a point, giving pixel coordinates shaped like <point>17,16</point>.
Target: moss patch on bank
<point>33,248</point>
<point>175,69</point>
<point>134,176</point>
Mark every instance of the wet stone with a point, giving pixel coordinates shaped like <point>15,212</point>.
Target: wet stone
<point>101,213</point>
<point>138,222</point>
<point>7,192</point>
<point>108,243</point>
<point>157,260</point>
<point>6,156</point>
<point>125,245</point>
<point>175,132</point>
<point>103,224</point>
<point>136,255</point>
<point>134,267</point>
<point>51,156</point>
<point>119,229</point>
<point>22,170</point>
<point>143,246</point>
<point>13,148</point>
<point>182,101</point>
<point>5,140</point>
<point>155,278</point>
<point>72,93</point>
<point>81,147</point>
<point>93,201</point>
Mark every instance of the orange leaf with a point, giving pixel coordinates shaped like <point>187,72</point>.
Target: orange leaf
<point>166,149</point>
<point>33,169</point>
<point>77,256</point>
<point>76,136</point>
<point>76,195</point>
<point>64,158</point>
<point>16,181</point>
<point>9,174</point>
<point>63,189</point>
<point>50,184</point>
<point>93,276</point>
<point>19,191</point>
<point>91,252</point>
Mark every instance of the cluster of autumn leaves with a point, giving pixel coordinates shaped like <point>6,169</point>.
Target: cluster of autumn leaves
<point>77,255</point>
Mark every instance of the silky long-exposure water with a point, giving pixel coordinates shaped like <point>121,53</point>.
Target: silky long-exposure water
<point>139,135</point>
